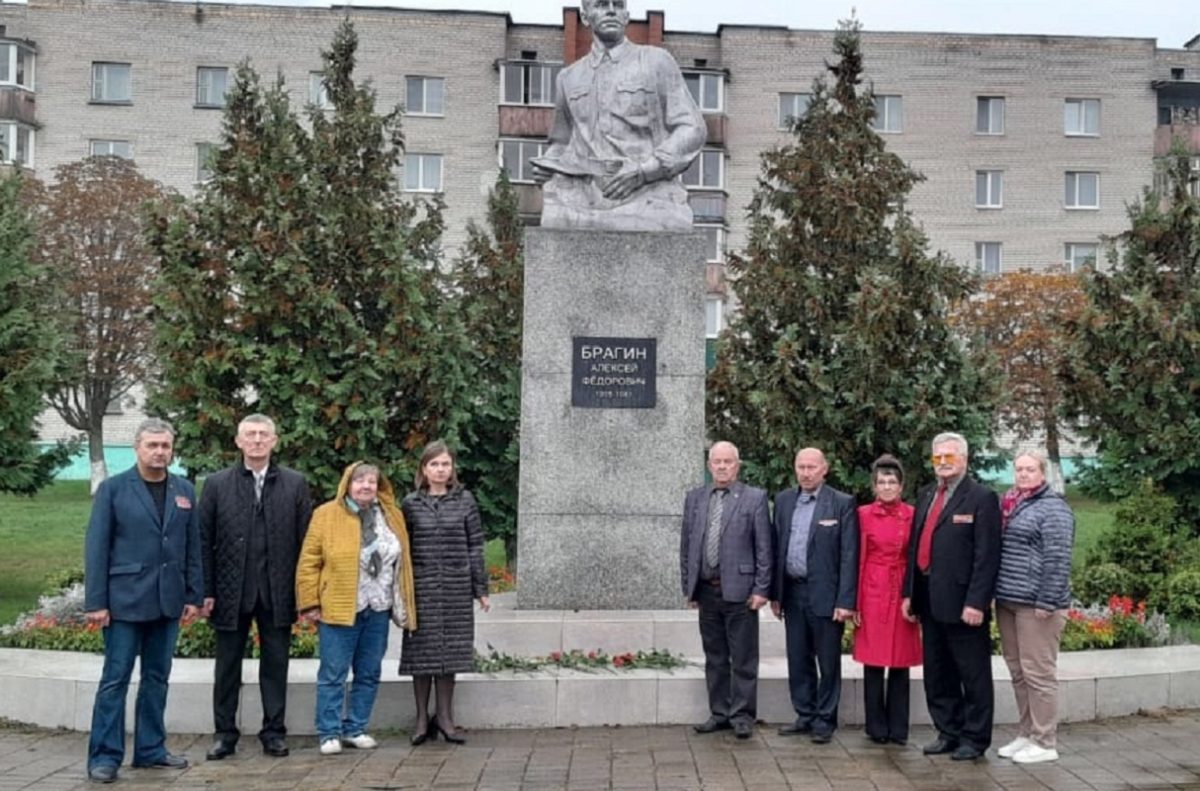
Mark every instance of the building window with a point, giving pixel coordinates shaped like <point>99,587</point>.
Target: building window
<point>989,189</point>
<point>889,114</point>
<point>1082,190</point>
<point>706,170</point>
<point>211,84</point>
<point>989,115</point>
<point>1177,74</point>
<point>16,65</point>
<point>205,155</point>
<point>425,96</point>
<point>110,148</point>
<point>792,107</point>
<point>708,89</point>
<point>528,83</point>
<point>1079,254</point>
<point>987,258</point>
<point>715,236</point>
<point>714,316</point>
<point>318,95</point>
<point>423,172</point>
<point>1081,117</point>
<point>112,83</point>
<point>515,156</point>
<point>16,144</point>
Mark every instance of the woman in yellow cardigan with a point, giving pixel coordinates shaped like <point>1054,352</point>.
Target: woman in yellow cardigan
<point>355,570</point>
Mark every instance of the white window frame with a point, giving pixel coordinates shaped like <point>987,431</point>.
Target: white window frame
<point>702,170</point>
<point>13,133</point>
<point>992,182</point>
<point>794,99</point>
<point>703,77</point>
<point>1071,190</point>
<point>891,120</point>
<point>522,142</point>
<point>991,109</point>
<point>15,50</point>
<point>204,79</point>
<point>422,162</point>
<point>425,83</point>
<point>1073,261</point>
<point>318,94</point>
<point>204,151</point>
<point>714,316</point>
<point>1075,117</point>
<point>981,258</point>
<point>721,237</point>
<point>109,145</point>
<point>100,80</point>
<point>548,73</point>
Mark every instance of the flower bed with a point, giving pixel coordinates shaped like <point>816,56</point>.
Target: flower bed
<point>653,659</point>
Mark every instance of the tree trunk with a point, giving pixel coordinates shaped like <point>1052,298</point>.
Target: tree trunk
<point>96,457</point>
<point>510,553</point>
<point>1054,474</point>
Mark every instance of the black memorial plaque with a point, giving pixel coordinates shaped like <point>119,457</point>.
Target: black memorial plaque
<point>613,373</point>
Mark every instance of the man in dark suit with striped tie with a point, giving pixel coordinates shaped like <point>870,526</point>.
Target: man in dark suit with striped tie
<point>954,557</point>
<point>726,559</point>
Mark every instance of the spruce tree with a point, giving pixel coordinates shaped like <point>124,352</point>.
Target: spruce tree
<point>302,284</point>
<point>842,339</point>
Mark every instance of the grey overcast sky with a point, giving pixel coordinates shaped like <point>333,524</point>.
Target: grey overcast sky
<point>1172,22</point>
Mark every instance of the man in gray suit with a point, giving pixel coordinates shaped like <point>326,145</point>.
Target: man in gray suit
<point>726,560</point>
<point>816,587</point>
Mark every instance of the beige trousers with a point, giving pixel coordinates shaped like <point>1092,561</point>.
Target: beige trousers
<point>1030,647</point>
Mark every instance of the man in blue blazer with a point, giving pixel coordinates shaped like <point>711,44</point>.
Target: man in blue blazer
<point>726,556</point>
<point>816,588</point>
<point>142,571</point>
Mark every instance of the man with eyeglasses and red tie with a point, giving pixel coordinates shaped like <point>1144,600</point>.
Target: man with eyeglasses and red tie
<point>954,557</point>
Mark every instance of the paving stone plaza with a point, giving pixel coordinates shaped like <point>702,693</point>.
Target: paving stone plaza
<point>1157,751</point>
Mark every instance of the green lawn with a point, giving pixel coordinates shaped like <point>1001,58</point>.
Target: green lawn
<point>44,534</point>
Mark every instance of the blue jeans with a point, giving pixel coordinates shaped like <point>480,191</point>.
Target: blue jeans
<point>125,641</point>
<point>361,646</point>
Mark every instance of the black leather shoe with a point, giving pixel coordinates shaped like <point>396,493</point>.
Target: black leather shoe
<point>898,742</point>
<point>275,746</point>
<point>743,730</point>
<point>103,774</point>
<point>168,761</point>
<point>795,729</point>
<point>966,752</point>
<point>220,749</point>
<point>940,746</point>
<point>712,725</point>
<point>879,739</point>
<point>824,737</point>
<point>451,736</point>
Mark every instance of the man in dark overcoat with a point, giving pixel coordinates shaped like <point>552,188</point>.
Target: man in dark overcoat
<point>253,517</point>
<point>954,557</point>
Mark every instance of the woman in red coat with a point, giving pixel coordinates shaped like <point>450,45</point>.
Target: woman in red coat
<point>883,638</point>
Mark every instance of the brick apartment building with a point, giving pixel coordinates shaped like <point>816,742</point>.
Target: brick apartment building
<point>1032,145</point>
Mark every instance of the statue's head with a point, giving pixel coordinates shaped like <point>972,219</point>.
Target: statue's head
<point>607,19</point>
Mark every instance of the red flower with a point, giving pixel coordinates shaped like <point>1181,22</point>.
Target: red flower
<point>618,661</point>
<point>556,656</point>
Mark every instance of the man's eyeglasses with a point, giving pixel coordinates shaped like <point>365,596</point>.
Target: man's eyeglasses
<point>939,458</point>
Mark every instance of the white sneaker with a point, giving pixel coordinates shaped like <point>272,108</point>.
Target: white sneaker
<point>1035,754</point>
<point>331,746</point>
<point>362,742</point>
<point>1012,748</point>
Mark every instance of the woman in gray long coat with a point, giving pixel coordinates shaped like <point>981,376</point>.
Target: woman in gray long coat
<point>447,552</point>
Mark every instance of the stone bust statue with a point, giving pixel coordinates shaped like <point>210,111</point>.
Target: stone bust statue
<point>625,127</point>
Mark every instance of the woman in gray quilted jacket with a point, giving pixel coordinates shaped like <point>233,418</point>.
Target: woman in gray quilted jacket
<point>1032,596</point>
<point>447,553</point>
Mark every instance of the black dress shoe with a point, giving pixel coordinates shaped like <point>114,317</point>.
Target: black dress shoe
<point>898,742</point>
<point>417,739</point>
<point>712,725</point>
<point>966,752</point>
<point>104,773</point>
<point>879,739</point>
<point>940,746</point>
<point>742,729</point>
<point>795,729</point>
<point>275,746</point>
<point>168,761</point>
<point>450,736</point>
<point>822,737</point>
<point>220,749</point>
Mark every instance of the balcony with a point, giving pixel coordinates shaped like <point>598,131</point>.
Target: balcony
<point>716,128</point>
<point>529,200</point>
<point>17,105</point>
<point>525,121</point>
<point>707,206</point>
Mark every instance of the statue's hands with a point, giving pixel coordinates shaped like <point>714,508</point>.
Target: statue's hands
<point>623,184</point>
<point>540,174</point>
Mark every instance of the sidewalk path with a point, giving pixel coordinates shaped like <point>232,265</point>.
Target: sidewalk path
<point>1160,751</point>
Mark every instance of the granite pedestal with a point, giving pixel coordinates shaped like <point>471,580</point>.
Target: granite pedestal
<point>601,488</point>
